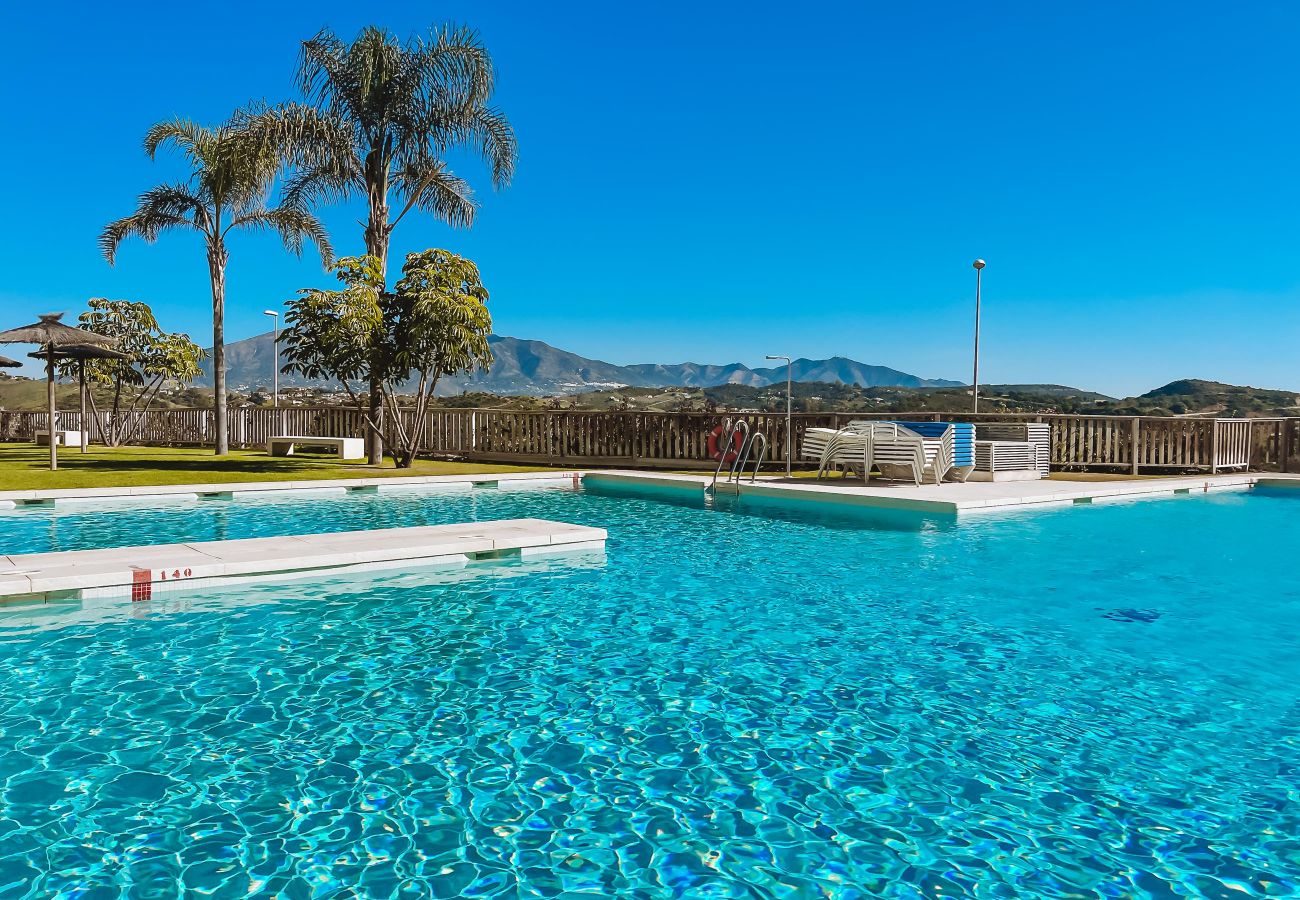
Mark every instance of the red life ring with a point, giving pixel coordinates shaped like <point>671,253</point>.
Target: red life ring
<point>718,437</point>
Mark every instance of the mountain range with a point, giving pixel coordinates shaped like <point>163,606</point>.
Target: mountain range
<point>535,368</point>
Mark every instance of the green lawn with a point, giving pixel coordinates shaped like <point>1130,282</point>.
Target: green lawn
<point>26,467</point>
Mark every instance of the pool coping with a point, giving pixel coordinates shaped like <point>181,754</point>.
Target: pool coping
<point>10,499</point>
<point>971,497</point>
<point>140,571</point>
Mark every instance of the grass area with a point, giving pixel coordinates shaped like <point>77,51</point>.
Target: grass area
<point>25,467</point>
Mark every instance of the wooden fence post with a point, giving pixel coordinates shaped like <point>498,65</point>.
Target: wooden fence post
<point>1214,446</point>
<point>1135,437</point>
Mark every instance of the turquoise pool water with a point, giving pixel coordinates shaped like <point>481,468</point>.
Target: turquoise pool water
<point>1089,702</point>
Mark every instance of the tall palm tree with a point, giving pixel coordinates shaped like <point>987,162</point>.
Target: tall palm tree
<point>234,167</point>
<point>398,109</point>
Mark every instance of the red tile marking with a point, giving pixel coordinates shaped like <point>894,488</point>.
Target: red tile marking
<point>141,584</point>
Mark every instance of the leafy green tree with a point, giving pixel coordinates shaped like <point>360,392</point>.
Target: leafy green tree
<point>233,169</point>
<point>333,335</point>
<point>434,323</point>
<point>382,116</point>
<point>155,359</point>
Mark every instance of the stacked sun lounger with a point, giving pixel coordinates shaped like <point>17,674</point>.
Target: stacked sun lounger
<point>913,451</point>
<point>813,445</point>
<point>1004,456</point>
<point>902,450</point>
<point>1008,447</point>
<point>960,439</point>
<point>846,449</point>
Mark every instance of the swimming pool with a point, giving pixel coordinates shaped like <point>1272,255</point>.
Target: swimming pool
<point>1084,702</point>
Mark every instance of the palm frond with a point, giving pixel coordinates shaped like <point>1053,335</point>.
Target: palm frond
<point>320,67</point>
<point>320,184</point>
<point>497,145</point>
<point>341,77</point>
<point>163,207</point>
<point>456,63</point>
<point>299,135</point>
<point>176,200</point>
<point>294,226</point>
<point>146,225</point>
<point>192,139</point>
<point>429,185</point>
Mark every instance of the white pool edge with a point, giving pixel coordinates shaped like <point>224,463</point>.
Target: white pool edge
<point>949,499</point>
<point>136,573</point>
<point>227,490</point>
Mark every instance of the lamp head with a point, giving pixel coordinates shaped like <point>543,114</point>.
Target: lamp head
<point>270,312</point>
<point>978,264</point>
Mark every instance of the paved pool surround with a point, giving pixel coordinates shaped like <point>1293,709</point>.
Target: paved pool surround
<point>54,497</point>
<point>948,499</point>
<point>137,573</point>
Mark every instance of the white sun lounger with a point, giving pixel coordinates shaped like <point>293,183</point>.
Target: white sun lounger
<point>849,451</point>
<point>853,447</point>
<point>813,445</point>
<point>900,453</point>
<point>912,456</point>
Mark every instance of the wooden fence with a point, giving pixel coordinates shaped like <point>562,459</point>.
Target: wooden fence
<point>677,440</point>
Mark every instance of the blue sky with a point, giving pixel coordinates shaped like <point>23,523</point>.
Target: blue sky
<point>717,181</point>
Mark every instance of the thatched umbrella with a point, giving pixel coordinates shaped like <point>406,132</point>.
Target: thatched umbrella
<point>52,334</point>
<point>81,353</point>
<point>7,363</point>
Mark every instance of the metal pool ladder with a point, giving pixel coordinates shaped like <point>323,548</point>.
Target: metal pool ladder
<point>749,440</point>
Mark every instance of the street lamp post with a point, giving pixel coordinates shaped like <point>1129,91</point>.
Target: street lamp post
<point>789,416</point>
<point>275,363</point>
<point>975,380</point>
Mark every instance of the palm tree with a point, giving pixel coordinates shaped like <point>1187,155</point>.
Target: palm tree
<point>398,108</point>
<point>234,168</point>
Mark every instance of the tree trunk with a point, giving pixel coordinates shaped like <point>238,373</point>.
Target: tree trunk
<point>52,420</point>
<point>375,436</point>
<point>81,384</point>
<point>217,257</point>
<point>377,234</point>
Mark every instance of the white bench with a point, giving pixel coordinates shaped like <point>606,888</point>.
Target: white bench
<point>65,436</point>
<point>346,447</point>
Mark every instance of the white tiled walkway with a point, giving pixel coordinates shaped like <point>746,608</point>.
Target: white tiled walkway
<point>138,571</point>
<point>948,498</point>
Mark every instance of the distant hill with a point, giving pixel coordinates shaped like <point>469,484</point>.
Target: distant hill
<point>836,370</point>
<point>839,370</point>
<point>18,392</point>
<point>1196,397</point>
<point>532,363</point>
<point>808,397</point>
<point>1043,390</point>
<point>693,375</point>
<point>534,368</point>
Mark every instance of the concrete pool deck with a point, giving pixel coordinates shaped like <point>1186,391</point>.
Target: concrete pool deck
<point>947,499</point>
<point>58,496</point>
<point>137,572</point>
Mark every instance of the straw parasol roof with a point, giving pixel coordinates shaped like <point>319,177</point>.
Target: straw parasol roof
<point>52,334</point>
<point>80,351</point>
<point>7,363</point>
<point>49,330</point>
